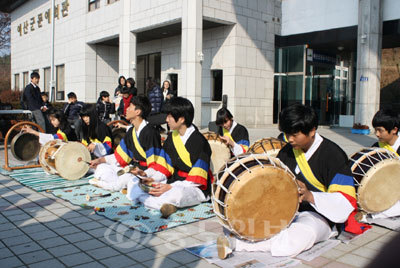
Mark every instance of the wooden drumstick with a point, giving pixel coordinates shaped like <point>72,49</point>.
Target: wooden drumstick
<point>81,160</point>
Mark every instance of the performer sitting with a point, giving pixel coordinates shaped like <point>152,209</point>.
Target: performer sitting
<point>96,134</point>
<point>327,193</point>
<point>141,145</point>
<point>63,130</point>
<point>181,176</point>
<point>386,124</point>
<point>233,134</point>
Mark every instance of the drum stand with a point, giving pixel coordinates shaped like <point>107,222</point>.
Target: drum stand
<point>6,166</point>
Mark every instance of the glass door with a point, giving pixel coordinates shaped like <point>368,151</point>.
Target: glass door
<point>341,95</point>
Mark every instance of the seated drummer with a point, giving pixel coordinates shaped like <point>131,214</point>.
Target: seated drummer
<point>181,176</point>
<point>326,189</point>
<point>96,134</point>
<point>233,134</point>
<point>62,129</point>
<point>140,146</point>
<point>386,124</point>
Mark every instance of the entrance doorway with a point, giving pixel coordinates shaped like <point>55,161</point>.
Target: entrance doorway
<point>147,66</point>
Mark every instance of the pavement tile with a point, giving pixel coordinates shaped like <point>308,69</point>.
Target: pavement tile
<point>143,255</point>
<point>206,236</point>
<point>188,229</point>
<point>16,240</point>
<point>89,244</point>
<point>63,250</point>
<point>7,226</point>
<point>76,237</point>
<point>28,222</point>
<point>52,242</point>
<point>183,257</point>
<point>118,261</point>
<point>186,242</point>
<point>61,211</point>
<point>99,232</point>
<point>166,249</point>
<point>5,253</point>
<point>67,230</point>
<point>79,220</point>
<point>333,254</point>
<point>302,265</point>
<point>56,224</point>
<point>10,233</point>
<point>53,263</point>
<point>354,260</point>
<point>76,259</point>
<point>346,247</point>
<point>171,235</point>
<point>89,225</point>
<point>70,215</point>
<point>19,217</point>
<point>379,230</point>
<point>10,262</point>
<point>200,264</point>
<point>47,218</point>
<point>35,228</point>
<point>155,241</point>
<point>35,256</point>
<point>127,246</point>
<point>138,265</point>
<point>375,245</point>
<point>102,253</point>
<point>162,262</point>
<point>365,252</point>
<point>90,265</point>
<point>42,235</point>
<point>317,262</point>
<point>25,248</point>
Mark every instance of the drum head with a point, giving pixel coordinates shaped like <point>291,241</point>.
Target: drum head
<point>220,152</point>
<point>262,200</point>
<point>44,158</point>
<point>269,146</point>
<point>25,146</point>
<point>118,134</point>
<point>67,163</point>
<point>380,188</point>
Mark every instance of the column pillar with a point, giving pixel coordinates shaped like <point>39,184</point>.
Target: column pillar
<point>369,49</point>
<point>127,43</point>
<point>191,54</point>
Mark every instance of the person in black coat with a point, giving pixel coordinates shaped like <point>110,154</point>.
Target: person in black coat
<point>155,96</point>
<point>104,107</point>
<point>32,100</point>
<point>121,84</point>
<point>71,111</point>
<point>130,83</point>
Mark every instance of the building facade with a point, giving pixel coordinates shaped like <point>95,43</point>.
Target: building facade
<point>263,54</point>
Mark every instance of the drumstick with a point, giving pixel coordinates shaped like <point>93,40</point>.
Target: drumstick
<point>88,197</point>
<point>81,160</point>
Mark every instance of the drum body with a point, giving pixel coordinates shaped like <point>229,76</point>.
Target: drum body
<point>255,196</point>
<point>376,172</point>
<point>269,146</point>
<point>117,134</point>
<point>220,151</point>
<point>25,146</point>
<point>66,159</point>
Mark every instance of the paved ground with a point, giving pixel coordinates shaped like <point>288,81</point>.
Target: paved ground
<point>39,230</point>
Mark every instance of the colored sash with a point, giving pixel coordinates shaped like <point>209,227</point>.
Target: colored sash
<point>306,170</point>
<point>181,149</point>
<point>227,134</point>
<point>387,147</point>
<point>137,144</point>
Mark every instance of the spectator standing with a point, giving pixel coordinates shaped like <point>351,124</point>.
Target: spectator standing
<point>155,96</point>
<point>130,83</point>
<point>49,106</point>
<point>33,101</point>
<point>125,102</point>
<point>71,111</point>
<point>104,107</point>
<point>121,84</point>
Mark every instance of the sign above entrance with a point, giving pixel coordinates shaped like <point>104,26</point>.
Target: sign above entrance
<point>316,56</point>
<point>37,21</point>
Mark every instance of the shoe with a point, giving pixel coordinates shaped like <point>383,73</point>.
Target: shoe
<point>167,209</point>
<point>225,246</point>
<point>124,191</point>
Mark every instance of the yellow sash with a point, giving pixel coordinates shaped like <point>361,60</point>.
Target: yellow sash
<point>181,149</point>
<point>284,137</point>
<point>306,170</point>
<point>387,147</point>
<point>137,144</point>
<point>227,134</point>
<point>64,137</point>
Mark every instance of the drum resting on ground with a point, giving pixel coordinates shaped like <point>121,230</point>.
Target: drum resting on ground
<point>255,196</point>
<point>220,151</point>
<point>376,172</point>
<point>66,159</point>
<point>269,146</point>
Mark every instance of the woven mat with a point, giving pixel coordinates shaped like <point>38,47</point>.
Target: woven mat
<point>118,208</point>
<point>38,180</point>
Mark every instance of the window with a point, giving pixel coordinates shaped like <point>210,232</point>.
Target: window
<point>60,85</point>
<point>46,79</point>
<point>174,82</point>
<point>25,76</point>
<point>111,1</point>
<point>147,66</point>
<point>94,4</point>
<point>216,85</point>
<point>16,82</point>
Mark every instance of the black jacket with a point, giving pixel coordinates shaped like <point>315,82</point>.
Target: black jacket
<point>31,98</point>
<point>72,110</point>
<point>156,99</point>
<point>104,109</point>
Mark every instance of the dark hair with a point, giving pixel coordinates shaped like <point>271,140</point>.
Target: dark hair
<point>223,115</point>
<point>150,83</point>
<point>387,119</point>
<point>297,118</point>
<point>131,81</point>
<point>119,80</point>
<point>169,82</point>
<point>35,75</point>
<point>142,103</point>
<point>126,90</point>
<point>90,131</point>
<point>44,94</point>
<point>180,107</point>
<point>59,114</point>
<point>71,95</point>
<point>104,94</point>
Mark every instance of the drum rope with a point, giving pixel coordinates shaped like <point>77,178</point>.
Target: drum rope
<point>223,188</point>
<point>220,215</point>
<point>222,204</point>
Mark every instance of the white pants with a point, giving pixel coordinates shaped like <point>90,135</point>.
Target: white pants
<point>109,180</point>
<point>181,194</point>
<point>391,212</point>
<point>307,229</point>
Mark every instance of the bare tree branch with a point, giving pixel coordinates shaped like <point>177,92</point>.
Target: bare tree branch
<point>5,31</point>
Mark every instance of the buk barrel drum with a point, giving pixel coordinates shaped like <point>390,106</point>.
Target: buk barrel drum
<point>376,172</point>
<point>255,196</point>
<point>66,159</point>
<point>117,133</point>
<point>269,146</point>
<point>25,146</point>
<point>220,151</point>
